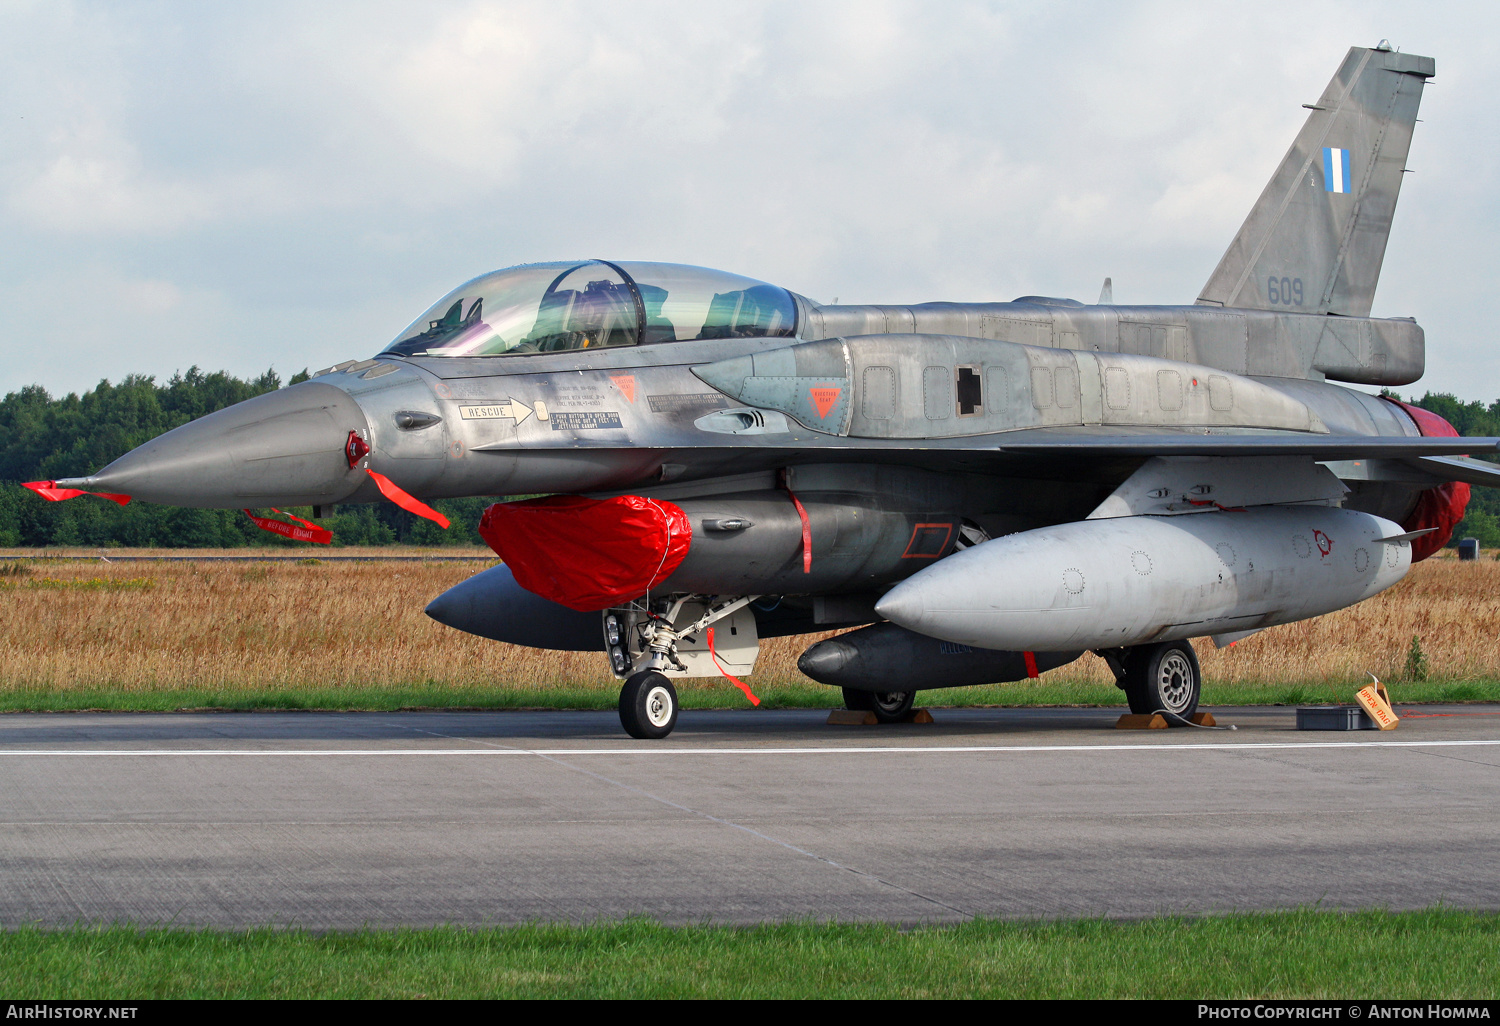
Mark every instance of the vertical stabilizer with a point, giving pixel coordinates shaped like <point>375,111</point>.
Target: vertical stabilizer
<point>1315,240</point>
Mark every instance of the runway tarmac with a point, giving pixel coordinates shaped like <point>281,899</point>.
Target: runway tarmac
<point>339,820</point>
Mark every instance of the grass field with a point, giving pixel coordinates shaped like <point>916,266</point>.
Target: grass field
<point>1436,953</point>
<point>161,635</point>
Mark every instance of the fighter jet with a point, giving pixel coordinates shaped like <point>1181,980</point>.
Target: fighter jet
<point>986,490</point>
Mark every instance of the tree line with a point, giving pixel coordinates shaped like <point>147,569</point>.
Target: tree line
<point>45,438</point>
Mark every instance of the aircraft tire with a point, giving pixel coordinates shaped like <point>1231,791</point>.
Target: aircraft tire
<point>859,701</point>
<point>648,705</point>
<point>891,706</point>
<point>1163,678</point>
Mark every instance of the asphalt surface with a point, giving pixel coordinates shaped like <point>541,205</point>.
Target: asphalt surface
<point>349,819</point>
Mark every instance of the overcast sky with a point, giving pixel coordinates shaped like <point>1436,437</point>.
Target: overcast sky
<point>240,186</point>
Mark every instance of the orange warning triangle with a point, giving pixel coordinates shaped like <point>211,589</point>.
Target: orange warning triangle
<point>824,398</point>
<point>625,383</point>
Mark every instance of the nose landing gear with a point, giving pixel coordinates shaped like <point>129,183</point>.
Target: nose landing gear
<point>649,642</point>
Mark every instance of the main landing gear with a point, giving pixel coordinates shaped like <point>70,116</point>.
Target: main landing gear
<point>1161,678</point>
<point>888,706</point>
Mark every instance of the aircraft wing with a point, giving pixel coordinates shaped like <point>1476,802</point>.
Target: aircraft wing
<point>1446,453</point>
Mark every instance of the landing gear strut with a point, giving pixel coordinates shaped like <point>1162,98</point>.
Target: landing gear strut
<point>1162,678</point>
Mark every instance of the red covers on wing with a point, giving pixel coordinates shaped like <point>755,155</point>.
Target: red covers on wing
<point>1441,507</point>
<point>588,554</point>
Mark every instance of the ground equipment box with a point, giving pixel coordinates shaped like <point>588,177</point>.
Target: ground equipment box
<point>1334,717</point>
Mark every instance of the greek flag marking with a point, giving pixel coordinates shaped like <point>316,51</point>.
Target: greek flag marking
<point>1336,170</point>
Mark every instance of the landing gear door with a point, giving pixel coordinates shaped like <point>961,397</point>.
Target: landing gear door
<point>735,643</point>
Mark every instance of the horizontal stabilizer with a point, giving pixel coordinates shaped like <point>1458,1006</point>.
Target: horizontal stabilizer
<point>1461,468</point>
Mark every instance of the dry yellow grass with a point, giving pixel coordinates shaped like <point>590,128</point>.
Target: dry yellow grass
<point>249,627</point>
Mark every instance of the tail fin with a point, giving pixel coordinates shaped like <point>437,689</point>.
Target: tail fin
<point>1315,239</point>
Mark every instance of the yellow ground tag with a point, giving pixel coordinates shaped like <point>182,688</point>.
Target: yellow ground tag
<point>1374,700</point>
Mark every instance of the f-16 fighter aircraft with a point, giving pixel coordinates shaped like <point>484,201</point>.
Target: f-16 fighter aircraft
<point>991,489</point>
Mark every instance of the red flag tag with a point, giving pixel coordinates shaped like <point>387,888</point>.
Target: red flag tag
<point>304,523</point>
<point>732,679</point>
<point>49,491</point>
<point>311,533</point>
<point>410,503</point>
<point>806,534</point>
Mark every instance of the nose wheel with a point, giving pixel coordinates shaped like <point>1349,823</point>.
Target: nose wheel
<point>648,705</point>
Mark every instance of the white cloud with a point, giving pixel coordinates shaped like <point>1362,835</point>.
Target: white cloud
<point>92,180</point>
<point>302,178</point>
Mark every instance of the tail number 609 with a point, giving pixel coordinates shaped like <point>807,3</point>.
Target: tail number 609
<point>1284,291</point>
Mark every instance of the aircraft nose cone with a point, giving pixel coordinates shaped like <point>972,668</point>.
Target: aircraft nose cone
<point>826,660</point>
<point>284,448</point>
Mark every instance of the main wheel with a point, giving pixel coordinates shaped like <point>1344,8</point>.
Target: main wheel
<point>892,706</point>
<point>888,706</point>
<point>648,705</point>
<point>1163,678</point>
<point>859,701</point>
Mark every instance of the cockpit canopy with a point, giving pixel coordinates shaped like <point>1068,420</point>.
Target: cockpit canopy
<point>554,307</point>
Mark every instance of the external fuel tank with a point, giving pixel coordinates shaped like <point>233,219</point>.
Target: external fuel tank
<point>1140,579</point>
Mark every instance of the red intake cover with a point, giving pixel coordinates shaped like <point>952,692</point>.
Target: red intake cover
<point>588,554</point>
<point>1441,507</point>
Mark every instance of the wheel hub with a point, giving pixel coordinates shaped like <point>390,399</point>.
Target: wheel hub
<point>658,706</point>
<point>1174,681</point>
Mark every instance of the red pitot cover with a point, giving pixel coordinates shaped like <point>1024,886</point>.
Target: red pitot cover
<point>588,554</point>
<point>1441,507</point>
